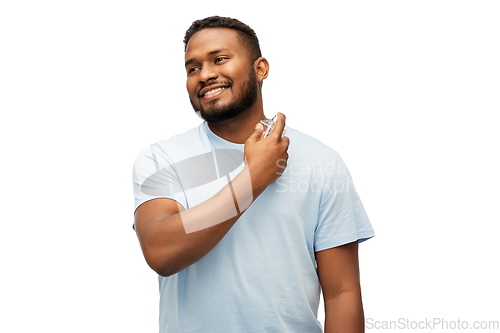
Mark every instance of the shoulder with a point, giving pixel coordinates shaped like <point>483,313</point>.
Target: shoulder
<point>175,147</point>
<point>182,140</point>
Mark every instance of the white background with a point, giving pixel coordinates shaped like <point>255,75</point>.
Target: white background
<point>406,91</point>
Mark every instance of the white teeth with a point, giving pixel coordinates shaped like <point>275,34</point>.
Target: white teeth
<point>212,91</point>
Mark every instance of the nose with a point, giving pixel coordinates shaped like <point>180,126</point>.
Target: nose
<point>207,73</point>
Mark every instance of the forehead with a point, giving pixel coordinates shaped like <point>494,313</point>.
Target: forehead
<point>210,39</point>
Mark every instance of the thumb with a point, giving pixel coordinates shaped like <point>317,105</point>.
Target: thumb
<point>257,133</point>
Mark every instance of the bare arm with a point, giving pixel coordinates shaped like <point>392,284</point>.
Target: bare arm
<point>172,238</point>
<point>338,271</point>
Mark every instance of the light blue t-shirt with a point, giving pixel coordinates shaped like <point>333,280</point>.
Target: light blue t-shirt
<point>262,276</point>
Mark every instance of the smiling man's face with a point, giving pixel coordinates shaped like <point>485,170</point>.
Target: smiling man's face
<point>221,80</point>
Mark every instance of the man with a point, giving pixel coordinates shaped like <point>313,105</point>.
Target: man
<point>245,230</point>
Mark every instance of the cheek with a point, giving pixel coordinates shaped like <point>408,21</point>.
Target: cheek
<point>191,88</point>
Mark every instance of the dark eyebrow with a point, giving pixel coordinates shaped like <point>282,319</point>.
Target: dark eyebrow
<point>190,61</point>
<point>217,51</point>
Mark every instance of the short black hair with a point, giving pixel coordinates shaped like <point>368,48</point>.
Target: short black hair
<point>246,33</point>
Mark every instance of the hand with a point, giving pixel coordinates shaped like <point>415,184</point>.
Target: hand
<point>266,158</point>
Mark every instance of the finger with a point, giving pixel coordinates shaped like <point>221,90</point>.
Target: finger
<point>257,133</point>
<point>286,140</point>
<point>279,125</point>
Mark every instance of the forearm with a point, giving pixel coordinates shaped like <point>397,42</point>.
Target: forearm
<point>182,239</point>
<point>344,313</point>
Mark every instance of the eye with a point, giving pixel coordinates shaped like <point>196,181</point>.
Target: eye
<point>219,59</point>
<point>192,69</point>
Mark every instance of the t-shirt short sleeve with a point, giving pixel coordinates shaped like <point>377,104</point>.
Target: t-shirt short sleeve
<point>342,218</point>
<point>154,176</point>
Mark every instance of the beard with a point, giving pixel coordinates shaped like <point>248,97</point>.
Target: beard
<point>218,114</point>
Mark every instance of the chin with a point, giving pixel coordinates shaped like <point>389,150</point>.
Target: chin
<point>217,117</point>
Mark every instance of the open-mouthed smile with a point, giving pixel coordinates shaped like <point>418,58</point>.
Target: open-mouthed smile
<point>208,93</point>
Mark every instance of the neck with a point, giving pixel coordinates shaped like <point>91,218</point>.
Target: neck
<point>239,128</point>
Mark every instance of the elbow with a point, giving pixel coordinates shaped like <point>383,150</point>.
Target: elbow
<point>164,272</point>
<point>162,265</point>
<point>164,260</point>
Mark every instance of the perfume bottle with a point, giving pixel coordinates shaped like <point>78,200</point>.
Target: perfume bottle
<point>268,127</point>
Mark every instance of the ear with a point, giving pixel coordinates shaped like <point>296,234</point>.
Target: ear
<point>261,67</point>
